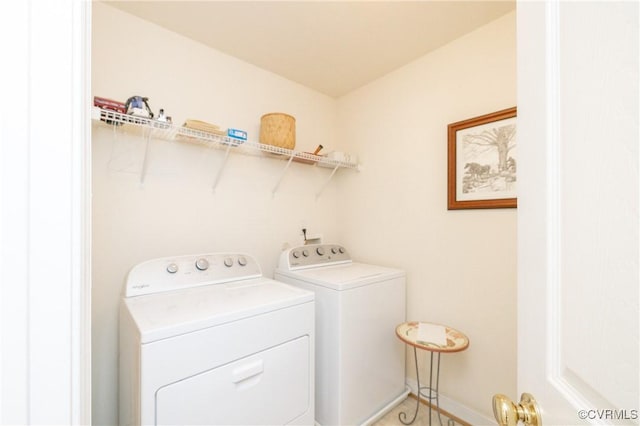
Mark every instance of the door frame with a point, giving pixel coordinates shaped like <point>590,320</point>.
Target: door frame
<point>45,220</point>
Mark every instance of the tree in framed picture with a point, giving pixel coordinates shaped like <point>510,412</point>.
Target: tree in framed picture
<point>482,162</point>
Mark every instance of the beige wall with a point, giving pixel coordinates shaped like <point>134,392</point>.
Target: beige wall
<point>460,265</point>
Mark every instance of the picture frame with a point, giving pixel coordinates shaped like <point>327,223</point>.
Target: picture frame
<point>482,162</point>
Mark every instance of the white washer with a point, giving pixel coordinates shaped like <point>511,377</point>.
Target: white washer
<point>207,339</point>
<point>360,364</point>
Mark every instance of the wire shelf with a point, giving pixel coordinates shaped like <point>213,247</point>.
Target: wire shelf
<point>169,131</point>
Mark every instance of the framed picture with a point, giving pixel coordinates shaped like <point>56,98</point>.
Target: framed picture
<point>482,162</point>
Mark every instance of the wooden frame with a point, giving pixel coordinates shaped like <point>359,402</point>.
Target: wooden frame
<point>482,163</point>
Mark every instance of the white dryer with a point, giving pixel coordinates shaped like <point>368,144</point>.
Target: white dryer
<point>208,340</point>
<point>360,364</point>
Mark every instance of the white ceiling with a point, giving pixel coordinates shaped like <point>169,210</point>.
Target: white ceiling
<point>330,46</point>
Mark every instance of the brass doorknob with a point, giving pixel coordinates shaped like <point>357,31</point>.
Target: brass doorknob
<point>507,413</point>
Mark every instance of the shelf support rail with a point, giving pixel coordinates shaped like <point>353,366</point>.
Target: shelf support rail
<point>284,170</point>
<point>221,168</point>
<point>145,160</point>
<point>326,182</point>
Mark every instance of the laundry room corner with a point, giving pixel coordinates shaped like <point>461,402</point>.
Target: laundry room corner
<point>155,197</point>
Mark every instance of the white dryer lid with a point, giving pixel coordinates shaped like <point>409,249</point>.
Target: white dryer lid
<point>344,276</point>
<point>162,315</point>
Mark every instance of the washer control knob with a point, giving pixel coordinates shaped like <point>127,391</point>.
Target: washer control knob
<point>172,268</point>
<point>305,253</point>
<point>341,249</point>
<point>334,250</point>
<point>296,254</point>
<point>242,261</point>
<point>228,262</point>
<point>320,251</point>
<point>202,264</point>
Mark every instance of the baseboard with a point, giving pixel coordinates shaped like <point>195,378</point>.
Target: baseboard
<point>390,406</point>
<point>456,409</point>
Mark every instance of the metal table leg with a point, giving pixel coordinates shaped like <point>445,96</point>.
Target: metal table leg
<point>402,416</point>
<point>437,392</point>
<point>433,392</point>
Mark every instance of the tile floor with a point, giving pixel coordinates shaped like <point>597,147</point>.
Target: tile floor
<point>408,406</point>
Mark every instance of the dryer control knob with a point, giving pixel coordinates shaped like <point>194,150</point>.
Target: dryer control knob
<point>320,251</point>
<point>202,264</point>
<point>296,254</point>
<point>172,268</point>
<point>305,253</point>
<point>334,250</point>
<point>242,261</point>
<point>341,249</point>
<point>228,262</point>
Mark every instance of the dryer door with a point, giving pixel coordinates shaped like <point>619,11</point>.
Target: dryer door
<point>270,387</point>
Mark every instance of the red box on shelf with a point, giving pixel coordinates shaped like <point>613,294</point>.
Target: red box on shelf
<point>105,103</point>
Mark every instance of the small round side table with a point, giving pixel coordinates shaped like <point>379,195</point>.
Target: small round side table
<point>436,339</point>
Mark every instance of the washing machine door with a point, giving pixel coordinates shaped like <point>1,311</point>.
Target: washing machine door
<point>270,387</point>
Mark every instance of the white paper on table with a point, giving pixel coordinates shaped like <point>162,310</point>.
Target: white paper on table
<point>432,333</point>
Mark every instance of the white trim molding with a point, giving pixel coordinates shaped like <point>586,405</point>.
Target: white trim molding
<point>45,292</point>
<point>456,408</point>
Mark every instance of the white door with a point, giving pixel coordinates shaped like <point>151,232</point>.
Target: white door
<point>578,212</point>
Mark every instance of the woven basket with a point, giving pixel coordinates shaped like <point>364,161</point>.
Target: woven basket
<point>278,129</point>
